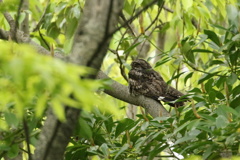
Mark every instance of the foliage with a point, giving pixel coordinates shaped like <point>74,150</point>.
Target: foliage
<point>30,83</point>
<point>209,126</point>
<point>200,55</point>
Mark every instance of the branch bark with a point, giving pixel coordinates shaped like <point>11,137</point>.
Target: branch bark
<point>121,92</point>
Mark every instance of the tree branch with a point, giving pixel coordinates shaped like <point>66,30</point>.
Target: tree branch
<point>121,92</point>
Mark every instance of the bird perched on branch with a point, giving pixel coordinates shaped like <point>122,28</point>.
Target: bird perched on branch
<point>143,80</point>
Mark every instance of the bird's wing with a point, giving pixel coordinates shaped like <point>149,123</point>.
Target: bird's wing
<point>150,84</point>
<point>162,90</point>
<point>153,84</point>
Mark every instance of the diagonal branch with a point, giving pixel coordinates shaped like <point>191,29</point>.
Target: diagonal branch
<point>121,92</point>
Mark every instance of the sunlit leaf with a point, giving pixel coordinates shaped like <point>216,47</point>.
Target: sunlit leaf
<point>58,109</point>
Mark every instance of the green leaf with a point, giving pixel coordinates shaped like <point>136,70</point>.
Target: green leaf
<point>175,77</point>
<point>187,4</point>
<point>203,39</point>
<point>232,13</point>
<point>85,130</point>
<point>210,118</point>
<point>127,7</point>
<point>230,140</point>
<point>202,50</point>
<point>122,149</point>
<point>236,91</point>
<point>53,30</point>
<point>184,139</point>
<point>209,85</point>
<point>206,129</point>
<point>157,150</point>
<point>214,62</point>
<point>58,109</point>
<point>220,95</point>
<point>226,109</point>
<point>131,48</point>
<point>232,79</point>
<point>193,124</point>
<point>236,37</point>
<point>235,102</point>
<point>219,27</point>
<point>125,124</point>
<point>71,28</point>
<point>221,121</point>
<point>206,77</point>
<point>186,50</point>
<point>109,124</point>
<point>40,106</point>
<point>139,142</point>
<point>213,36</point>
<point>104,149</point>
<point>11,119</point>
<point>212,96</point>
<point>234,57</point>
<point>162,61</point>
<point>145,125</point>
<point>181,127</point>
<point>208,152</point>
<point>13,152</point>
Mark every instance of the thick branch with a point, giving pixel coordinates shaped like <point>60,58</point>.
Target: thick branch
<point>121,92</point>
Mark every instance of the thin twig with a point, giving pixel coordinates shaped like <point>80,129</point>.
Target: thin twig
<point>134,17</point>
<point>168,9</point>
<point>159,11</point>
<point>173,153</point>
<point>122,68</point>
<point>154,20</point>
<point>128,25</point>
<point>26,131</point>
<point>41,19</point>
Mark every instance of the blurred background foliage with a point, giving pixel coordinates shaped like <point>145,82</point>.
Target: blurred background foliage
<point>195,45</point>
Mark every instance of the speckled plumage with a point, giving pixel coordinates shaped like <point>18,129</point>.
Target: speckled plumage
<point>143,80</point>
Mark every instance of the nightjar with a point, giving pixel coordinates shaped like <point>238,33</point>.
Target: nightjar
<point>143,80</point>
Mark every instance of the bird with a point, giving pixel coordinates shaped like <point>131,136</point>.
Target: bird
<point>144,80</point>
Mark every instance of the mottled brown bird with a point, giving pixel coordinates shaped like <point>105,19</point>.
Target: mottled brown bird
<point>143,80</point>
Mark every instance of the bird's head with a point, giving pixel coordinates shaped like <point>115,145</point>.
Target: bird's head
<point>140,64</point>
